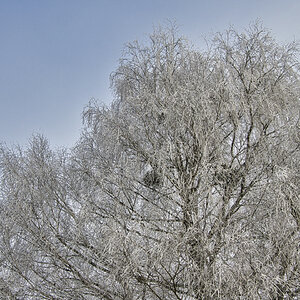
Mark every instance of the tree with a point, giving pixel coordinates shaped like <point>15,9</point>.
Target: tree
<point>186,188</point>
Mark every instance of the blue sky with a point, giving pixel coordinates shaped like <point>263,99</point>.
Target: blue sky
<point>56,55</point>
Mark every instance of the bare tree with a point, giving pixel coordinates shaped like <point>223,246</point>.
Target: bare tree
<point>186,188</point>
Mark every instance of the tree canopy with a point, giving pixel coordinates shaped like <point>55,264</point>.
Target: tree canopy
<point>186,187</point>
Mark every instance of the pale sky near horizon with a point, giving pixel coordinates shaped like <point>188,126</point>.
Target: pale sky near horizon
<point>56,55</point>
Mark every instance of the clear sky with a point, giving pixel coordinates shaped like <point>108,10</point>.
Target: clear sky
<point>55,55</point>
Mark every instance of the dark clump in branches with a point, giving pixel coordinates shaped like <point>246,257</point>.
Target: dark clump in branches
<point>152,179</point>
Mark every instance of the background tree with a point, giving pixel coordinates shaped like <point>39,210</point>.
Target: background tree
<point>186,188</point>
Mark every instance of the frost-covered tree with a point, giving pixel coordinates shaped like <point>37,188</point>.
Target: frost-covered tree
<point>187,187</point>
